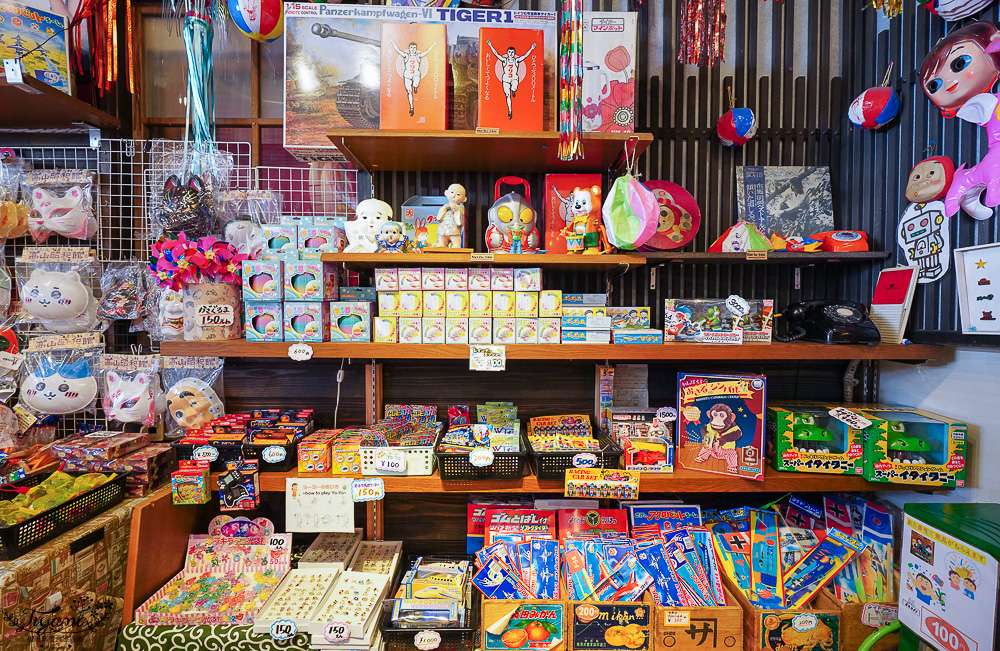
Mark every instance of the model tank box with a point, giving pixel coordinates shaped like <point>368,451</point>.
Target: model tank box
<point>333,63</point>
<point>414,88</point>
<point>806,438</point>
<point>511,73</point>
<point>609,45</point>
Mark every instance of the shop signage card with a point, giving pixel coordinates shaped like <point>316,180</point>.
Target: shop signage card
<point>318,505</point>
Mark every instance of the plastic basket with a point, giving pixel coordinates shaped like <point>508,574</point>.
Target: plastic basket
<point>506,465</point>
<point>272,461</point>
<point>452,639</point>
<point>19,539</point>
<point>553,465</point>
<point>419,461</point>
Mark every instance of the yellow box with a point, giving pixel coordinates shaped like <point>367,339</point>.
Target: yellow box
<point>503,305</point>
<point>526,305</point>
<point>314,455</point>
<point>386,329</point>
<point>527,331</point>
<point>480,330</point>
<point>481,304</point>
<point>410,330</point>
<point>457,304</point>
<point>345,457</point>
<point>550,303</point>
<point>411,303</point>
<point>434,303</point>
<point>388,303</point>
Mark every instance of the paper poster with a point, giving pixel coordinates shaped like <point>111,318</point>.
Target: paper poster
<point>631,386</point>
<point>319,505</point>
<point>785,200</point>
<point>978,270</point>
<point>24,29</point>
<point>948,592</point>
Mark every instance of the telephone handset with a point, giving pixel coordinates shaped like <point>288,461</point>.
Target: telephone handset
<point>828,322</point>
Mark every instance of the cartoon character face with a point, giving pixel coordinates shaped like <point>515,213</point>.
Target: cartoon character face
<point>171,314</point>
<point>422,235</point>
<point>929,179</point>
<point>392,232</point>
<point>718,417</point>
<point>192,403</point>
<point>54,388</point>
<point>512,212</point>
<point>582,202</point>
<point>55,295</point>
<point>918,227</point>
<point>667,219</point>
<point>66,215</point>
<point>961,66</point>
<point>131,400</point>
<point>805,419</point>
<point>923,584</point>
<point>372,214</point>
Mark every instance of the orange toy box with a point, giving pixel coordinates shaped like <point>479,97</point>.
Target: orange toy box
<point>414,76</point>
<point>511,78</point>
<point>567,195</point>
<point>314,451</point>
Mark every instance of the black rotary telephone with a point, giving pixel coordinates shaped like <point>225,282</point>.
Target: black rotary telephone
<point>828,322</point>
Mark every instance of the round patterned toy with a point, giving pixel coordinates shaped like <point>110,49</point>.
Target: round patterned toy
<point>261,20</point>
<point>736,126</point>
<point>874,108</point>
<point>680,217</point>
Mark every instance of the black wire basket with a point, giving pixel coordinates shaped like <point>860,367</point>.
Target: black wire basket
<point>553,465</point>
<point>455,466</point>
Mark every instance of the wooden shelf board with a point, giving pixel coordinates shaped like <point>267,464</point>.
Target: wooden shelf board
<point>468,151</point>
<point>40,106</point>
<point>681,481</point>
<point>564,260</point>
<point>775,257</point>
<point>670,351</point>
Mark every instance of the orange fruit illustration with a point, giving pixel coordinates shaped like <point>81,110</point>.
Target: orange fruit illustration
<point>515,638</point>
<point>536,632</point>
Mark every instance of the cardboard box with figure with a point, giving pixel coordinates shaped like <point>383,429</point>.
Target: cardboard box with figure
<point>511,77</point>
<point>804,437</point>
<point>566,196</point>
<point>720,424</point>
<point>413,76</point>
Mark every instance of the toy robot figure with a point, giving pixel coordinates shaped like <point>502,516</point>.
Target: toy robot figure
<point>513,223</point>
<point>923,229</point>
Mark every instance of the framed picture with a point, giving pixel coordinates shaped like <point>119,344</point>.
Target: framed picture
<point>978,275</point>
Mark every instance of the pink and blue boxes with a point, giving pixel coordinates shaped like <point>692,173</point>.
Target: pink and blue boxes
<point>306,321</point>
<point>350,321</point>
<point>310,280</point>
<point>263,321</point>
<point>262,280</point>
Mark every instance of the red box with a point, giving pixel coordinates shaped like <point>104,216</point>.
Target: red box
<point>559,205</point>
<point>528,524</point>
<point>586,522</point>
<point>511,78</point>
<point>414,76</point>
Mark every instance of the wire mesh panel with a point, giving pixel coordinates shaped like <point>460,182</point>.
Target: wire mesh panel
<point>317,191</point>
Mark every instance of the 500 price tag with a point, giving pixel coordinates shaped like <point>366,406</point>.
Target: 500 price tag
<point>390,461</point>
<point>487,358</point>
<point>367,490</point>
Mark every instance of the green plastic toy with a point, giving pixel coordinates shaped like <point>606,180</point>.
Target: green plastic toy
<point>809,437</point>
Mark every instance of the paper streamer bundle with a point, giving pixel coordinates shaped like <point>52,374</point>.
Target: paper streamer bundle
<point>703,32</point>
<point>571,80</point>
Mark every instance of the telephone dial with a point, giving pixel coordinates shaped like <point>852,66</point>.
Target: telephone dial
<point>828,322</point>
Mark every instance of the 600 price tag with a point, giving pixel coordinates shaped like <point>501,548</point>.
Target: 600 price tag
<point>367,490</point>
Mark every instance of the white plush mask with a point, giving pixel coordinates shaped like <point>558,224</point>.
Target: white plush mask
<point>53,388</point>
<point>246,236</point>
<point>55,295</point>
<point>132,400</point>
<point>66,215</point>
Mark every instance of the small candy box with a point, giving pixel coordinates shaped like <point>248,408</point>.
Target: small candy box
<point>410,328</point>
<point>457,280</point>
<point>583,310</point>
<point>504,304</point>
<point>189,484</point>
<point>549,330</point>
<point>434,303</point>
<point>310,280</point>
<point>281,237</point>
<point>585,336</point>
<point>144,461</point>
<point>501,280</point>
<point>350,321</point>
<point>456,330</point>
<point>479,279</point>
<point>307,321</point>
<point>585,299</point>
<point>457,304</point>
<point>387,280</point>
<point>318,238</point>
<point>411,303</point>
<point>480,330</point>
<point>504,330</point>
<point>388,303</point>
<point>528,280</point>
<point>263,321</point>
<point>628,318</point>
<point>526,305</point>
<point>432,278</point>
<point>314,452</point>
<point>527,331</point>
<point>433,329</point>
<point>262,280</point>
<point>550,303</point>
<point>386,329</point>
<point>481,304</point>
<point>99,446</point>
<point>410,279</point>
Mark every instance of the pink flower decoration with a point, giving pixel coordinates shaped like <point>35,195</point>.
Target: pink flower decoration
<point>618,108</point>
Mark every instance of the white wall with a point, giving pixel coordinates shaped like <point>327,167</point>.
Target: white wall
<point>966,388</point>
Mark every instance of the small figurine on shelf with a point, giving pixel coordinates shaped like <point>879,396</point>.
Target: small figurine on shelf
<point>423,238</point>
<point>392,239</point>
<point>585,233</point>
<point>372,214</point>
<point>510,217</point>
<point>451,217</point>
<point>516,233</point>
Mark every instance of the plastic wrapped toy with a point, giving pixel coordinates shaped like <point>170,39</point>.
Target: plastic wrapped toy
<point>61,203</point>
<point>513,223</point>
<point>131,389</point>
<point>58,290</point>
<point>631,213</point>
<point>371,215</point>
<point>60,380</point>
<point>125,290</point>
<point>185,207</point>
<point>192,399</point>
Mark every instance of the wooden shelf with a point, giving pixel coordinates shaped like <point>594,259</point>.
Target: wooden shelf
<point>671,351</point>
<point>468,151</point>
<point>775,257</point>
<point>553,260</point>
<point>681,481</point>
<point>36,105</point>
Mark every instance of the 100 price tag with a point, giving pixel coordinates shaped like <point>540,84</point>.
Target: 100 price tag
<point>390,461</point>
<point>487,358</point>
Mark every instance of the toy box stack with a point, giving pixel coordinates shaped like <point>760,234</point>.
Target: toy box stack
<point>805,437</point>
<point>296,301</point>
<point>146,465</point>
<point>585,319</point>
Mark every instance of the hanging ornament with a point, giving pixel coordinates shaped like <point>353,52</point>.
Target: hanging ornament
<point>571,80</point>
<point>737,125</point>
<point>261,20</point>
<point>875,107</point>
<point>954,9</point>
<point>924,234</point>
<point>703,32</point>
<point>891,8</point>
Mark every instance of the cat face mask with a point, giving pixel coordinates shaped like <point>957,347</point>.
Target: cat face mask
<point>68,214</point>
<point>54,388</point>
<point>60,300</point>
<point>185,207</point>
<point>192,403</point>
<point>135,398</point>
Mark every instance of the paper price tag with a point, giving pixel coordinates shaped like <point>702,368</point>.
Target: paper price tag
<point>215,314</point>
<point>487,358</point>
<point>336,632</point>
<point>390,461</point>
<point>283,629</point>
<point>676,619</point>
<point>585,460</point>
<point>878,615</point>
<point>737,305</point>
<point>427,640</point>
<point>300,352</point>
<point>367,490</point>
<point>757,255</point>
<point>481,457</point>
<point>11,361</point>
<point>850,418</point>
<point>277,543</point>
<point>205,453</point>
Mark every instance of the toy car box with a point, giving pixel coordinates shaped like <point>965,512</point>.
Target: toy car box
<point>804,437</point>
<point>701,320</point>
<point>905,445</point>
<point>757,323</point>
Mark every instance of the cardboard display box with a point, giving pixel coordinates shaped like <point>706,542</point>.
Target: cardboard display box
<point>503,617</point>
<point>590,624</point>
<point>715,627</point>
<point>858,621</point>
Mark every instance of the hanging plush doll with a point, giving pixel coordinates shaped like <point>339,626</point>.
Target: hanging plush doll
<point>924,235</point>
<point>957,76</point>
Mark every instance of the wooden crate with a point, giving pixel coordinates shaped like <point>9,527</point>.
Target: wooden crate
<point>583,615</point>
<point>771,629</point>
<point>853,630</point>
<point>495,610</point>
<point>715,627</point>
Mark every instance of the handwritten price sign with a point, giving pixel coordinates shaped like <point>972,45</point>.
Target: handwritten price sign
<point>215,314</point>
<point>367,490</point>
<point>390,461</point>
<point>737,305</point>
<point>283,629</point>
<point>336,632</point>
<point>850,418</point>
<point>481,457</point>
<point>487,358</point>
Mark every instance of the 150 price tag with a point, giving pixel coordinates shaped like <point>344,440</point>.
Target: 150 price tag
<point>367,490</point>
<point>487,358</point>
<point>390,461</point>
<point>336,632</point>
<point>283,629</point>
